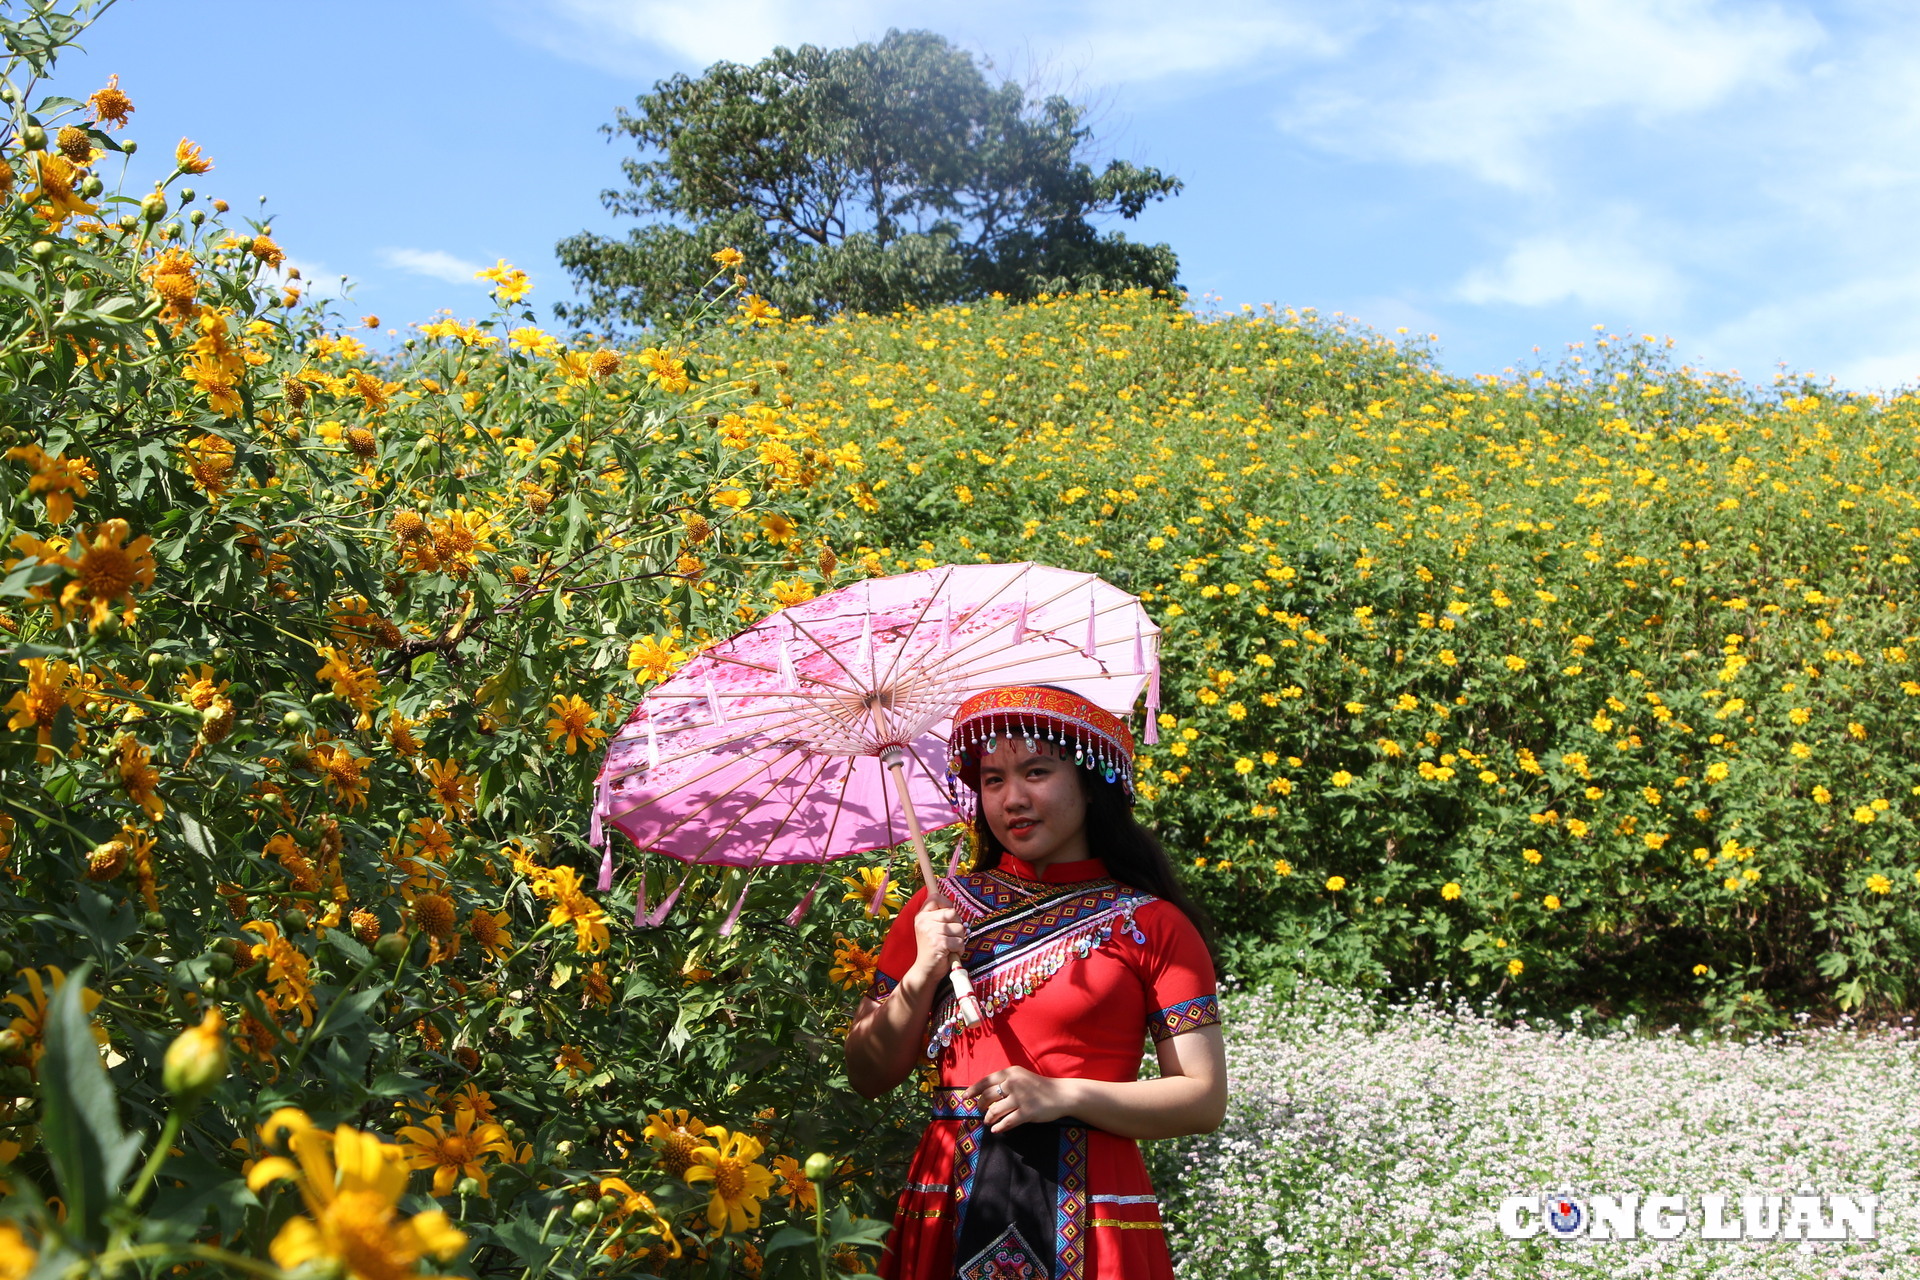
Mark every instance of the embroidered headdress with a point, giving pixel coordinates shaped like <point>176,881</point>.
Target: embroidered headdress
<point>1094,739</point>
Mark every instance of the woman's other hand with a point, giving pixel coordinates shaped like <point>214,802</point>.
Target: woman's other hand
<point>1015,1096</point>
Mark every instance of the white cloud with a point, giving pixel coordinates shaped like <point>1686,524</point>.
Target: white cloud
<point>316,280</point>
<point>1874,315</point>
<point>437,264</point>
<point>1608,272</point>
<point>1100,41</point>
<point>1483,85</point>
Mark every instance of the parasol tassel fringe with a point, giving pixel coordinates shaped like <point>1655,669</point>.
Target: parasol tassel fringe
<point>953,862</point>
<point>733,916</point>
<point>789,678</point>
<point>640,901</point>
<point>1139,648</point>
<point>946,624</point>
<point>879,902</point>
<point>799,912</point>
<point>659,914</point>
<point>1093,606</point>
<point>653,744</point>
<point>1020,624</point>
<point>597,835</point>
<point>1152,735</point>
<point>713,703</point>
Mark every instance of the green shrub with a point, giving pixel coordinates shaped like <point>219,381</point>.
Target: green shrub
<point>1593,688</point>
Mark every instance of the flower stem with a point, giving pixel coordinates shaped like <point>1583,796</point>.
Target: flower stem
<point>168,1132</point>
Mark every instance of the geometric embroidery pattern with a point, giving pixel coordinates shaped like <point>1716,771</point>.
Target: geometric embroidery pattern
<point>1188,1015</point>
<point>1021,932</point>
<point>1007,1258</point>
<point>1070,1214</point>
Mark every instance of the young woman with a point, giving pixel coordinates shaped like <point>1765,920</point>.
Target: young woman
<point>1080,945</point>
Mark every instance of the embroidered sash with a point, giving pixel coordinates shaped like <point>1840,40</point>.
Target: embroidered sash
<point>1021,932</point>
<point>1020,1198</point>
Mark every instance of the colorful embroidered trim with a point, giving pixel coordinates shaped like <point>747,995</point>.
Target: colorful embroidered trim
<point>1099,740</point>
<point>954,1104</point>
<point>1188,1015</point>
<point>1070,1206</point>
<point>1022,932</point>
<point>881,987</point>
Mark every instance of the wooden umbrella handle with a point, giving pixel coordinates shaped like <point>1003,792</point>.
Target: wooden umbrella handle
<point>896,761</point>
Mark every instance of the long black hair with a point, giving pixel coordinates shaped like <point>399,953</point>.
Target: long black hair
<point>1133,855</point>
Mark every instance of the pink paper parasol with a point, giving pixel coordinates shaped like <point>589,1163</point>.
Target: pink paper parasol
<point>776,745</point>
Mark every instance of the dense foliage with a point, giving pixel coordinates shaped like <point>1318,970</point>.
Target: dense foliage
<point>1595,687</point>
<point>867,178</point>
<point>309,658</point>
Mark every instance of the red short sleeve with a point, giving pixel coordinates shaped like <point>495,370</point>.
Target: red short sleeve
<point>1182,994</point>
<point>899,951</point>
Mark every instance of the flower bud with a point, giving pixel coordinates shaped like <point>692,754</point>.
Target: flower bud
<point>33,138</point>
<point>467,1187</point>
<point>819,1167</point>
<point>216,722</point>
<point>391,947</point>
<point>107,860</point>
<point>153,206</point>
<point>585,1211</point>
<point>196,1061</point>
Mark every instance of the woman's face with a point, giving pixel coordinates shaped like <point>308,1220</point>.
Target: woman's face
<point>1033,803</point>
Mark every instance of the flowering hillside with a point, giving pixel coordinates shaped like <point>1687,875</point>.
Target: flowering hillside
<point>1593,686</point>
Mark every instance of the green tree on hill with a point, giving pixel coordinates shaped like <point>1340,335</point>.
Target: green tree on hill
<point>866,179</point>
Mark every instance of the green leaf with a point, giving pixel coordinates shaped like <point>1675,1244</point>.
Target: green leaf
<point>80,1121</point>
<point>789,1238</point>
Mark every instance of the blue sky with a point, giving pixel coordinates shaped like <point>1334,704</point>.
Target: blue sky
<point>1743,177</point>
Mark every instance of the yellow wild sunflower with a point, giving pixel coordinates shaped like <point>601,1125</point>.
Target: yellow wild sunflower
<point>794,1183</point>
<point>740,1183</point>
<point>457,1154</point>
<point>287,969</point>
<point>853,965</point>
<point>110,106</point>
<point>342,771</point>
<point>573,719</point>
<point>452,788</point>
<point>629,1204</point>
<point>865,887</point>
<point>138,776</point>
<point>56,477</point>
<point>571,906</point>
<point>488,929</point>
<point>108,572</point>
<point>351,1184</point>
<point>31,1022</point>
<point>37,707</point>
<point>676,1133</point>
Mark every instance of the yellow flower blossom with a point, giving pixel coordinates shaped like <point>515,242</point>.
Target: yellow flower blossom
<point>739,1182</point>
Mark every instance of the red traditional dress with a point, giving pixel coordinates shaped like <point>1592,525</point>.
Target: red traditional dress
<point>1075,972</point>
